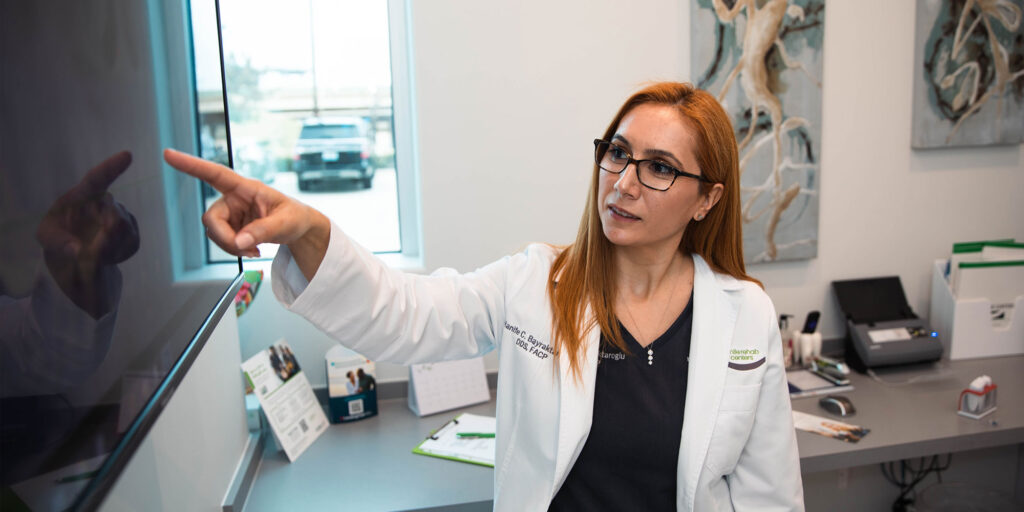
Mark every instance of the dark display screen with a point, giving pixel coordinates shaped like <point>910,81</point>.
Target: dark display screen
<point>99,298</point>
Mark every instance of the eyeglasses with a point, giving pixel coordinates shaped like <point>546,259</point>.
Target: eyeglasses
<point>651,173</point>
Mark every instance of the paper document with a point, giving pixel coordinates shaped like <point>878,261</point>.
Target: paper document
<point>886,335</point>
<point>1000,283</point>
<point>1005,251</point>
<point>446,444</point>
<point>984,250</point>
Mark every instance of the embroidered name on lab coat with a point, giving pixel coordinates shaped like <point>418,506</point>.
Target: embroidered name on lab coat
<point>529,342</point>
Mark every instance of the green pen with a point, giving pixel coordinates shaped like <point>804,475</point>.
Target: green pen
<point>474,434</point>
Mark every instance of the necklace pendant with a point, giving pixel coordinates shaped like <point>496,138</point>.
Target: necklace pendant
<point>650,356</point>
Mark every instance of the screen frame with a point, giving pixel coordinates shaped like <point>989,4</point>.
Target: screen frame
<point>92,496</point>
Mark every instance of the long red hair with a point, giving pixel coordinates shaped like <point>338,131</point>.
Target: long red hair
<point>583,274</point>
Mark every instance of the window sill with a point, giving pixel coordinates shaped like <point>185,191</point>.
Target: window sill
<point>403,262</point>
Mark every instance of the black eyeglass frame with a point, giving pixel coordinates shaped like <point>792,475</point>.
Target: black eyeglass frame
<point>636,163</point>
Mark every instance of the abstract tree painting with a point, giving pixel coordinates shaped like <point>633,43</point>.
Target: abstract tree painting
<point>762,59</point>
<point>968,73</point>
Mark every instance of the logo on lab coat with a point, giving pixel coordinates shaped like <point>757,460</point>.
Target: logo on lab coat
<point>744,359</point>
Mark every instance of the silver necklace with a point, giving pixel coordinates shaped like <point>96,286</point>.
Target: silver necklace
<point>650,346</point>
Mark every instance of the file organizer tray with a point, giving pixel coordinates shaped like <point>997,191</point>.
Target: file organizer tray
<point>965,326</point>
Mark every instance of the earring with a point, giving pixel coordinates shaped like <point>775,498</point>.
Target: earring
<point>700,216</point>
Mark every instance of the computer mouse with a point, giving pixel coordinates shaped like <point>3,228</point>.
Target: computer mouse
<point>838,405</point>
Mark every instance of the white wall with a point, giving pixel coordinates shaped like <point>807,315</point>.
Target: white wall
<point>190,455</point>
<point>509,96</point>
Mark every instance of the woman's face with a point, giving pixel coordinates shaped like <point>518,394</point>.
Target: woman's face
<point>633,215</point>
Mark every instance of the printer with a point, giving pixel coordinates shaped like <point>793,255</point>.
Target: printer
<point>881,328</point>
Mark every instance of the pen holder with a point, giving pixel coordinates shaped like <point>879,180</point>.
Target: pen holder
<point>810,346</point>
<point>975,403</point>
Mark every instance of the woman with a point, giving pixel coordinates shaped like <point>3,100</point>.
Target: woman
<point>640,368</point>
<point>351,385</point>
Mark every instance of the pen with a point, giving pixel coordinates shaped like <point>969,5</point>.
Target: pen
<point>474,434</point>
<point>76,478</point>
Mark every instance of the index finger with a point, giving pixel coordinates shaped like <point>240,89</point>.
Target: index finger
<point>217,176</point>
<point>99,178</point>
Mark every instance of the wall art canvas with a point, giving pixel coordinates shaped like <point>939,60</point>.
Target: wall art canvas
<point>762,60</point>
<point>968,73</point>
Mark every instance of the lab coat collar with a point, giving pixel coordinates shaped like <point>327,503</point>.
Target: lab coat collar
<point>714,318</point>
<point>725,281</point>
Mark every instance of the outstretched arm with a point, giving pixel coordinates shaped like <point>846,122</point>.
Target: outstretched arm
<point>347,292</point>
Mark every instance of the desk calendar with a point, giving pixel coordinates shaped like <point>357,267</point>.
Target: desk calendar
<point>436,387</point>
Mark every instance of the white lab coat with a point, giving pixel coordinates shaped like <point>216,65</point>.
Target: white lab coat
<point>738,447</point>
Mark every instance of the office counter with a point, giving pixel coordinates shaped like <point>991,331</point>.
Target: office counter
<point>919,419</point>
<point>369,464</point>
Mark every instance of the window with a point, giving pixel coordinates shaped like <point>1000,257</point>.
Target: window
<point>311,109</point>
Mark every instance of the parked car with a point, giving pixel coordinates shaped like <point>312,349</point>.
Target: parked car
<point>333,149</point>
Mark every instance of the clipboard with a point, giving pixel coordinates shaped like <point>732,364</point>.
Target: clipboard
<point>444,443</point>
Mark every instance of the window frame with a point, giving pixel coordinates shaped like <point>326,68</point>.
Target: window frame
<point>403,110</point>
<point>171,23</point>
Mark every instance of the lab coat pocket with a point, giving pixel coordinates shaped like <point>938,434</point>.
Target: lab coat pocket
<point>740,398</point>
<point>732,427</point>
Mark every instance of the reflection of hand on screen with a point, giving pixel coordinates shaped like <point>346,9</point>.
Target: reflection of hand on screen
<point>55,337</point>
<point>85,232</point>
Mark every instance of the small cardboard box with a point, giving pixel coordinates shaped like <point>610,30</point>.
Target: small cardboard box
<point>351,386</point>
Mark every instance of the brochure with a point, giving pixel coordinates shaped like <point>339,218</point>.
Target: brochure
<point>351,386</point>
<point>828,427</point>
<point>286,397</point>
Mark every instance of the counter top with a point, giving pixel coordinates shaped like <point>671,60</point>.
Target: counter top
<point>369,464</point>
<point>918,418</point>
